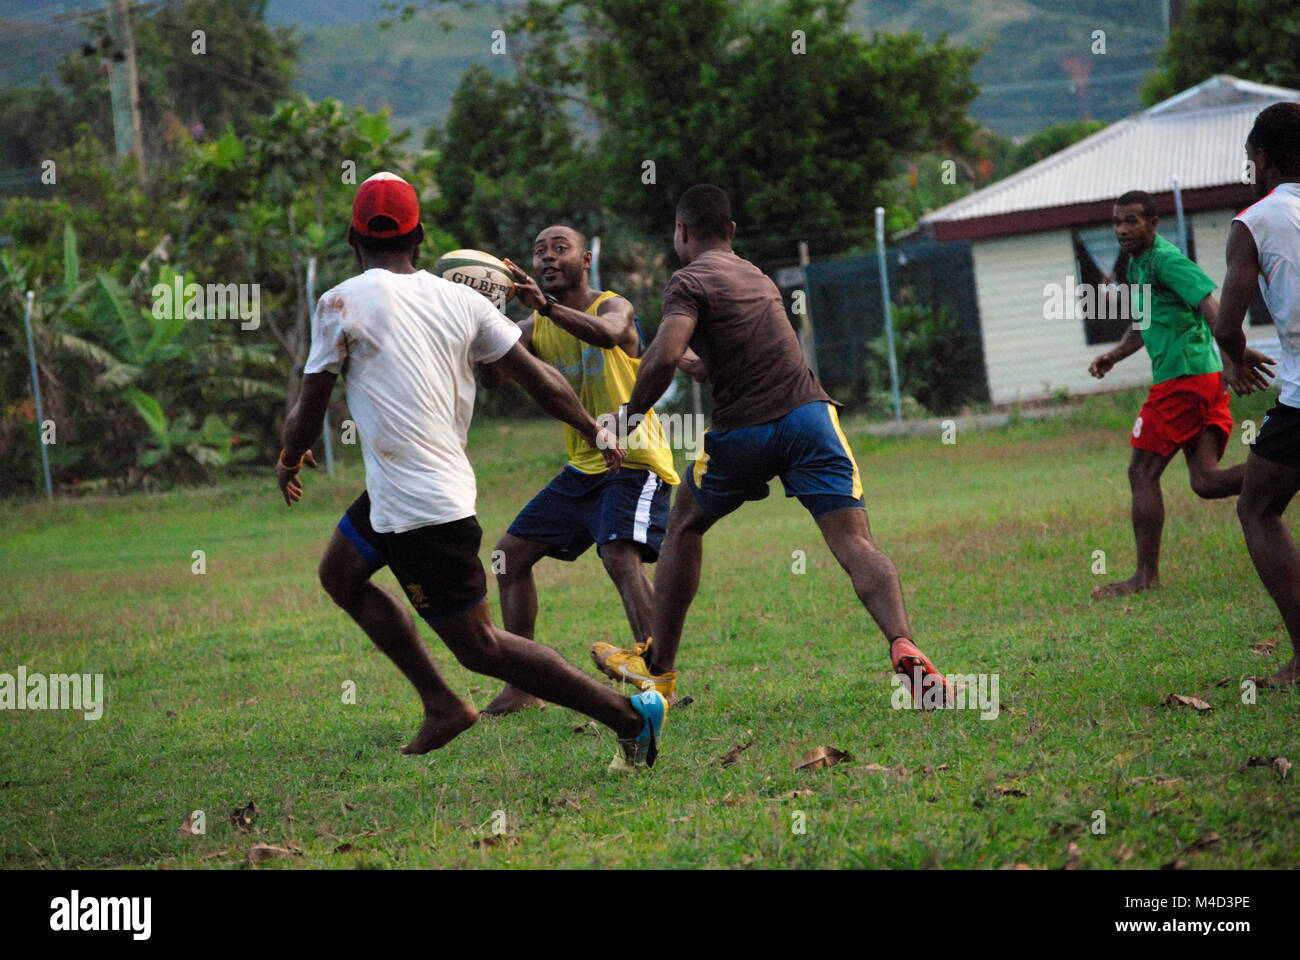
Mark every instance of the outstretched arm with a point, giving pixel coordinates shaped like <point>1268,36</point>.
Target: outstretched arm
<point>1244,369</point>
<point>493,376</point>
<point>552,393</point>
<point>660,362</point>
<point>1130,344</point>
<point>301,427</point>
<point>611,326</point>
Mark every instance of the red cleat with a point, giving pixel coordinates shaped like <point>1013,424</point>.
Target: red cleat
<point>921,676</point>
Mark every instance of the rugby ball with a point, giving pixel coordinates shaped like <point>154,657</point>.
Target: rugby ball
<point>479,271</point>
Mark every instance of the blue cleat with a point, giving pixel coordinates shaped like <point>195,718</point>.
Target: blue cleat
<point>644,748</point>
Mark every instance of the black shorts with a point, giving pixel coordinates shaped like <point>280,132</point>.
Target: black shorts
<point>437,565</point>
<point>1279,436</point>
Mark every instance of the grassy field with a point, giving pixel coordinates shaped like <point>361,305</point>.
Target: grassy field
<point>226,688</point>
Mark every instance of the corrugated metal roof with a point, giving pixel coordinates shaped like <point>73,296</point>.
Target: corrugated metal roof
<point>1198,136</point>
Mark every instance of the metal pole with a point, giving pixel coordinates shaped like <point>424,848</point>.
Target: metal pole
<point>36,390</point>
<point>1182,225</point>
<point>311,305</point>
<point>595,263</point>
<point>889,318</point>
<point>806,340</point>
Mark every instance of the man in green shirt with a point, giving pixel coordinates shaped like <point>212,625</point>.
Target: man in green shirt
<point>1187,408</point>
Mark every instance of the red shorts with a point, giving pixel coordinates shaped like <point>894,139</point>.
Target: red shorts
<point>1178,411</point>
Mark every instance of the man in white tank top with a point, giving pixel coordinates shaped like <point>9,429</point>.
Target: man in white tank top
<point>1264,248</point>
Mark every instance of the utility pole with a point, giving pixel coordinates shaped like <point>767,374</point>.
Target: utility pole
<point>124,83</point>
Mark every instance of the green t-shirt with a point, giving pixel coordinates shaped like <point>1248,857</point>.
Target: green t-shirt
<point>1178,339</point>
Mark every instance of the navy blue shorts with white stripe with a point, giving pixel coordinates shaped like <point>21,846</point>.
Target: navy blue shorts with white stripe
<point>578,509</point>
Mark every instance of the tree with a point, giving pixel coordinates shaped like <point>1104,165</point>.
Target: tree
<point>509,162</point>
<point>246,66</point>
<point>1251,39</point>
<point>795,114</point>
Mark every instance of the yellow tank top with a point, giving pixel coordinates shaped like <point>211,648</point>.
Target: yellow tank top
<point>602,379</point>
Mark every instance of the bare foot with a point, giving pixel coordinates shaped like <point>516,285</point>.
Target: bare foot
<point>511,700</point>
<point>1288,675</point>
<point>1124,588</point>
<point>438,731</point>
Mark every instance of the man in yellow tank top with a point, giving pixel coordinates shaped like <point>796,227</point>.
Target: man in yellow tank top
<point>592,338</point>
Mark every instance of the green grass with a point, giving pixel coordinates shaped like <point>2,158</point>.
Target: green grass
<point>226,687</point>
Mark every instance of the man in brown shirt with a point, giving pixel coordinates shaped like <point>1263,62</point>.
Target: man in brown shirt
<point>772,418</point>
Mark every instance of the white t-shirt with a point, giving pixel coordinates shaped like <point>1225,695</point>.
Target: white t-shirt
<point>405,343</point>
<point>1274,222</point>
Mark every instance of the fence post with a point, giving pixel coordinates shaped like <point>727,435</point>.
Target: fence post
<point>889,319</point>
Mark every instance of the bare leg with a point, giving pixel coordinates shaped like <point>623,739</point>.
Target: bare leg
<point>482,647</point>
<point>1208,481</point>
<point>677,578</point>
<point>622,559</point>
<point>1144,472</point>
<point>518,610</point>
<point>875,579</point>
<point>1268,489</point>
<point>345,575</point>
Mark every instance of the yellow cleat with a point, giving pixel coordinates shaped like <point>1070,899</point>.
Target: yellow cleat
<point>601,652</point>
<point>630,667</point>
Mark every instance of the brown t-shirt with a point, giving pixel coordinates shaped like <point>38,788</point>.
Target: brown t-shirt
<point>756,368</point>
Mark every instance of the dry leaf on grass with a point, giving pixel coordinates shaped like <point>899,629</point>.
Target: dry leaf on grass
<point>344,848</point>
<point>496,840</point>
<point>796,794</point>
<point>679,819</point>
<point>267,851</point>
<point>187,826</point>
<point>1281,764</point>
<point>1265,648</point>
<point>213,855</point>
<point>1226,681</point>
<point>1157,781</point>
<point>1125,854</point>
<point>819,757</point>
<point>1009,790</point>
<point>1178,700</point>
<point>732,755</point>
<point>1204,843</point>
<point>1073,853</point>
<point>1177,864</point>
<point>242,817</point>
<point>249,702</point>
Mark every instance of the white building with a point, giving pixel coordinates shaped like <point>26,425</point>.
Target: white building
<point>1023,230</point>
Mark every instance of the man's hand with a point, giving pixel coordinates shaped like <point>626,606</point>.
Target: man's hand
<point>607,442</point>
<point>290,485</point>
<point>526,288</point>
<point>1251,375</point>
<point>1102,365</point>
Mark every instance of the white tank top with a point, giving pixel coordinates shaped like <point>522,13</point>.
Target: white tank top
<point>1274,222</point>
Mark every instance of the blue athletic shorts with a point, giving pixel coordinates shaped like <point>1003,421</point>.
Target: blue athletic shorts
<point>806,448</point>
<point>578,509</point>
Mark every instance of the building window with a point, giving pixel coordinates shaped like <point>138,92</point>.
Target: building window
<point>1100,265</point>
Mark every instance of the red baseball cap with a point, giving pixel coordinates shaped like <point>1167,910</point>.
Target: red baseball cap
<point>385,195</point>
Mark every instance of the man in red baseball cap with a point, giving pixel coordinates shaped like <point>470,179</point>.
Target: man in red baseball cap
<point>407,341</point>
<point>385,206</point>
